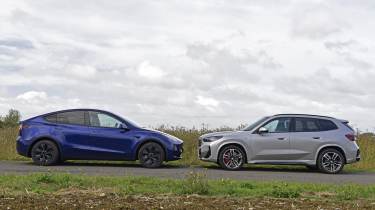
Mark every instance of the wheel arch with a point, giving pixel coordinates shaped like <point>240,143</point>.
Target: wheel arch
<point>148,141</point>
<point>238,144</point>
<point>48,139</point>
<point>333,146</point>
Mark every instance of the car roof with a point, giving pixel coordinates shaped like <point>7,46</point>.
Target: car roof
<point>67,110</point>
<point>79,109</point>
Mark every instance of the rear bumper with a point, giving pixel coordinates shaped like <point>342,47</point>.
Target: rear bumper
<point>355,157</point>
<point>358,158</point>
<point>22,148</point>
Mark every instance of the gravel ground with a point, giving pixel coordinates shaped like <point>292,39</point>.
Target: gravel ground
<point>103,200</point>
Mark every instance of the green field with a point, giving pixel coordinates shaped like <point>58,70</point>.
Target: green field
<point>61,191</point>
<point>189,158</point>
<point>194,183</point>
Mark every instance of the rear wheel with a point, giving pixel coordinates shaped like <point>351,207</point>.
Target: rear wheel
<point>331,161</point>
<point>231,157</point>
<point>151,155</point>
<point>45,153</point>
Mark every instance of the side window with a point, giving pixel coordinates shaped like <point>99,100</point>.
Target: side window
<point>327,125</point>
<point>278,125</point>
<point>72,117</point>
<point>51,118</point>
<point>99,119</point>
<point>306,125</point>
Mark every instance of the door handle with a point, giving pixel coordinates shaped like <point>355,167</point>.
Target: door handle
<point>316,137</point>
<point>281,138</point>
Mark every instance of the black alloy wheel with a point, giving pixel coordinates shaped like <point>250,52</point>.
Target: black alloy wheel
<point>45,153</point>
<point>151,155</point>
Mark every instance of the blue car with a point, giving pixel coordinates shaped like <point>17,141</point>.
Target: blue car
<point>90,134</point>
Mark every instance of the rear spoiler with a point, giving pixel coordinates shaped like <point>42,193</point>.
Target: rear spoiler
<point>346,123</point>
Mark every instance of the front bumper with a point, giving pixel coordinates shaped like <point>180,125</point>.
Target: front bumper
<point>207,151</point>
<point>178,149</point>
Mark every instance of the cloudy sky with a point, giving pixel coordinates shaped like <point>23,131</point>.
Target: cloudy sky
<point>190,62</point>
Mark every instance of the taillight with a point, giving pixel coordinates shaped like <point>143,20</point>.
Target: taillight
<point>350,136</point>
<point>20,130</point>
<point>21,127</point>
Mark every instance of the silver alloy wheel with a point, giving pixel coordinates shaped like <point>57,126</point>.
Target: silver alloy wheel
<point>232,158</point>
<point>332,162</point>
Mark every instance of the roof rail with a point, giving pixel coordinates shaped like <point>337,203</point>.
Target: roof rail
<point>310,115</point>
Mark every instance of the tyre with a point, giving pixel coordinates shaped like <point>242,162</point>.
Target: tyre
<point>331,161</point>
<point>151,155</point>
<point>231,157</point>
<point>45,153</point>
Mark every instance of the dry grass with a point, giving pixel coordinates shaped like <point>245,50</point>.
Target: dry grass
<point>8,138</point>
<point>190,136</point>
<point>367,145</point>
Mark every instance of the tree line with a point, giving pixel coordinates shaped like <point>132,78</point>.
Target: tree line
<point>11,119</point>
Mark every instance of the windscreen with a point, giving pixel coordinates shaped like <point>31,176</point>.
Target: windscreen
<point>255,124</point>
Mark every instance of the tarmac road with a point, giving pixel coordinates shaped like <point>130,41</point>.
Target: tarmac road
<point>297,175</point>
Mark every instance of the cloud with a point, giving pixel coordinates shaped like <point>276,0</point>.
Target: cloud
<point>316,21</point>
<point>209,103</point>
<point>32,96</point>
<point>187,63</point>
<point>145,69</point>
<point>82,71</point>
<point>16,43</point>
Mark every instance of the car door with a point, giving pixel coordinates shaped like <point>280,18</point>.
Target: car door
<point>273,145</point>
<point>72,128</point>
<point>107,140</point>
<point>305,138</point>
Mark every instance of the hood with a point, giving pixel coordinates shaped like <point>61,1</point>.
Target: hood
<point>177,140</point>
<point>222,133</point>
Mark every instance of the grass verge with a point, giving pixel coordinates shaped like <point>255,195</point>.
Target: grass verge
<point>195,183</point>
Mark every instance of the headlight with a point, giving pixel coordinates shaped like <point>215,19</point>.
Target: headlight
<point>212,138</point>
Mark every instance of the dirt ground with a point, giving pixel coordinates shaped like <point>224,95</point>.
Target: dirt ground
<point>103,200</point>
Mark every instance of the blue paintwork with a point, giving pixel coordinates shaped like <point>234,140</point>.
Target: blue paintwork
<point>78,142</point>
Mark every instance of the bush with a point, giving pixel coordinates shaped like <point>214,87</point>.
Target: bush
<point>195,183</point>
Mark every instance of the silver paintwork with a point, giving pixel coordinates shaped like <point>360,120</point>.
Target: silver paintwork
<point>283,148</point>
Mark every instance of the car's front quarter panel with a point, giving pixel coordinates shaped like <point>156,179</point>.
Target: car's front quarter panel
<point>213,148</point>
<point>172,145</point>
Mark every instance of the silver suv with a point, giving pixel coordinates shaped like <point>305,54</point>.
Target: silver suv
<point>319,142</point>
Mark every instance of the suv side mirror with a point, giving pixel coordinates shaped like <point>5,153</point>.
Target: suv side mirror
<point>262,130</point>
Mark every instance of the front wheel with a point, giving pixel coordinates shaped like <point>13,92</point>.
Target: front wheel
<point>45,153</point>
<point>331,161</point>
<point>231,157</point>
<point>151,155</point>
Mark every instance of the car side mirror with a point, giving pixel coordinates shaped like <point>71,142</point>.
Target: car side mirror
<point>262,130</point>
<point>122,126</point>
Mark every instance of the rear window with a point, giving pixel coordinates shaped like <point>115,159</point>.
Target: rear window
<point>73,117</point>
<point>306,125</point>
<point>327,125</point>
<point>51,118</point>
